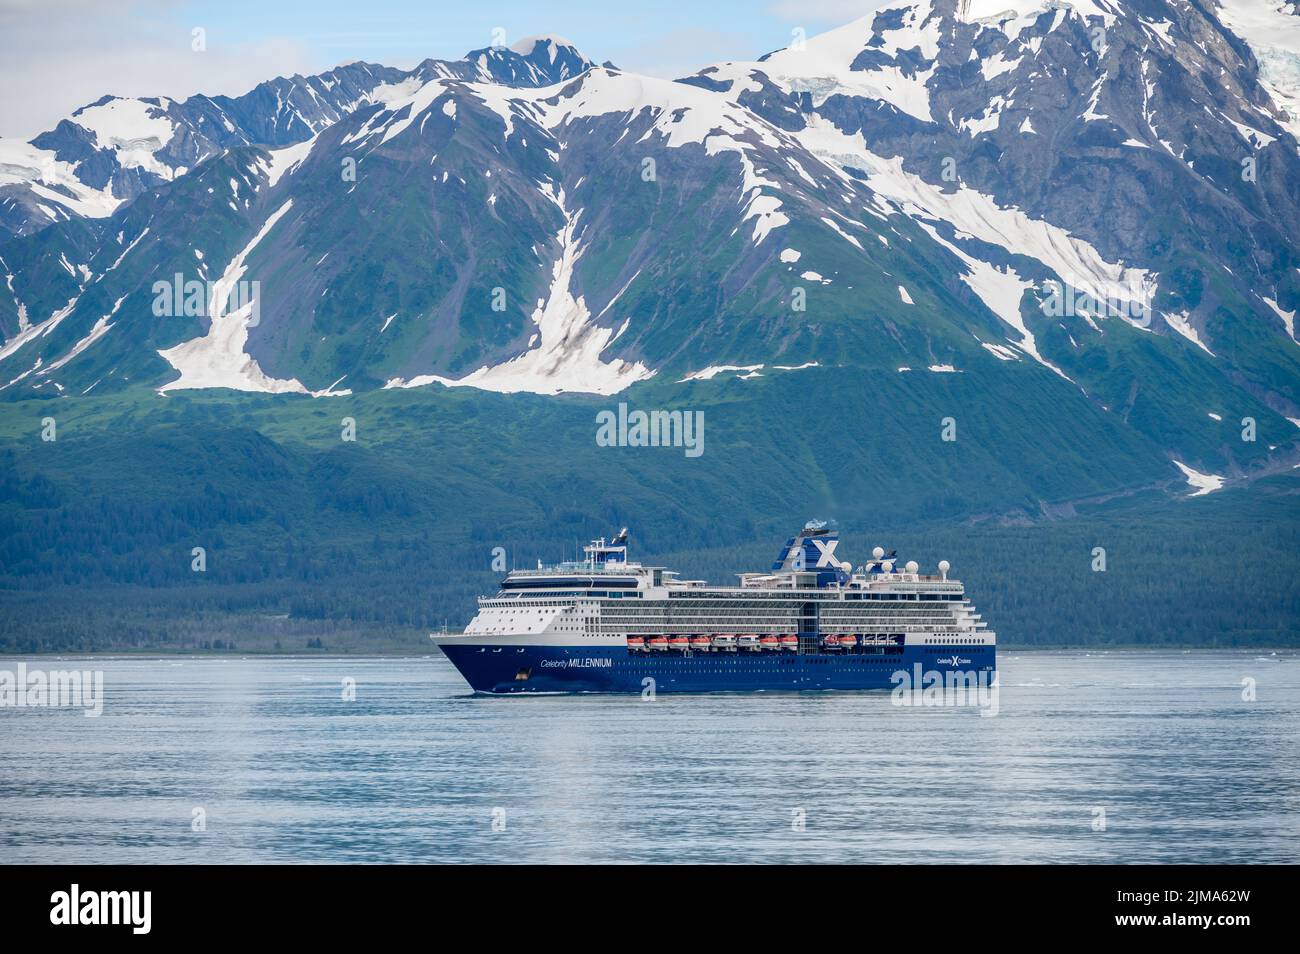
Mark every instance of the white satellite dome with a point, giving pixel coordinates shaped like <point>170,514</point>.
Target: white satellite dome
<point>912,566</point>
<point>878,552</point>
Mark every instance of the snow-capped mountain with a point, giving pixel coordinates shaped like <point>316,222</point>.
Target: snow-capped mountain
<point>114,149</point>
<point>1142,130</point>
<point>1101,194</point>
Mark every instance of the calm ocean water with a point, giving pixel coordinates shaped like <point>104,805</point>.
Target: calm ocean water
<point>417,770</point>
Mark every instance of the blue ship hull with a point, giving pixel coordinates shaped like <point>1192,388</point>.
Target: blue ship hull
<point>508,670</point>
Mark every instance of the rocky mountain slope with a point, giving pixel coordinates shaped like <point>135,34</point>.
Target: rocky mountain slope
<point>110,151</point>
<point>1096,197</point>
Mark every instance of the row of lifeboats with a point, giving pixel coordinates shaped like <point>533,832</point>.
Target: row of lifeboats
<point>723,642</point>
<point>730,642</point>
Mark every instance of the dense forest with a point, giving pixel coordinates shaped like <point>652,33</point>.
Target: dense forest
<point>328,546</point>
<point>86,575</point>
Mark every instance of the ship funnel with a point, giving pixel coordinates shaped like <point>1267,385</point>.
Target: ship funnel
<point>812,550</point>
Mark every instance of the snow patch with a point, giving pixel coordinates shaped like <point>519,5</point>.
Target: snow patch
<point>286,160</point>
<point>978,215</point>
<point>997,64</point>
<point>842,234</point>
<point>1001,290</point>
<point>1001,352</point>
<point>711,372</point>
<point>127,250</point>
<point>101,328</point>
<point>32,332</point>
<point>217,359</point>
<point>53,181</point>
<point>1182,324</point>
<point>1288,317</point>
<point>134,130</point>
<point>1273,35</point>
<point>822,65</point>
<point>567,359</point>
<point>1013,16</point>
<point>1204,483</point>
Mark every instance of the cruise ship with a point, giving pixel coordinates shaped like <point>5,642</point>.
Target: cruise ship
<point>813,621</point>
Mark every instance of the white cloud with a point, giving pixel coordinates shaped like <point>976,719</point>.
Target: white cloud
<point>680,52</point>
<point>834,12</point>
<point>59,61</point>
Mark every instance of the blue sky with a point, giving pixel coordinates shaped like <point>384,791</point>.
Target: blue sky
<point>56,55</point>
<point>389,30</point>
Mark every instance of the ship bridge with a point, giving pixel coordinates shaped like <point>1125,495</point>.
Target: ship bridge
<point>604,567</point>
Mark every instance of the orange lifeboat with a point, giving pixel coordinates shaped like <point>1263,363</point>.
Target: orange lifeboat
<point>658,643</point>
<point>700,643</point>
<point>769,642</point>
<point>635,644</point>
<point>848,642</point>
<point>790,641</point>
<point>681,643</point>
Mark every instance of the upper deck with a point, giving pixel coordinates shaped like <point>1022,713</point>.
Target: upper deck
<point>807,591</point>
<point>806,566</point>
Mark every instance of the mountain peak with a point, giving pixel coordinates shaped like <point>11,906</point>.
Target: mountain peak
<point>551,43</point>
<point>542,60</point>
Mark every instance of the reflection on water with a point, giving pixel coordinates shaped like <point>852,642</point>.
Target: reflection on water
<point>415,769</point>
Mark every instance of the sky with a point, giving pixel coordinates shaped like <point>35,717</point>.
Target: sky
<point>58,55</point>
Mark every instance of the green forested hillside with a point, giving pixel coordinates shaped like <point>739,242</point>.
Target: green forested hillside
<point>307,535</point>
